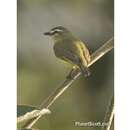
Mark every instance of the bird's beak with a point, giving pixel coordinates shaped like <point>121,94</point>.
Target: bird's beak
<point>47,33</point>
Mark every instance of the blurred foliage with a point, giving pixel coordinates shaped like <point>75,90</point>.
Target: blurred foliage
<point>23,109</point>
<point>39,71</point>
<point>27,129</point>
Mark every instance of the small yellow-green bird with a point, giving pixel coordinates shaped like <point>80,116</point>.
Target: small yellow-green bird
<point>70,49</point>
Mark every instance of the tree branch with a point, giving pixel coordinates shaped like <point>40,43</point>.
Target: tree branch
<point>68,81</point>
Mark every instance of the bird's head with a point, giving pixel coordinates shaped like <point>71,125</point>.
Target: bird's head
<point>59,33</point>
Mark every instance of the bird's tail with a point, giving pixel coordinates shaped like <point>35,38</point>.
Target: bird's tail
<point>85,70</point>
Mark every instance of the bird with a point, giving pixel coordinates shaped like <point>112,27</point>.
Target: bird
<point>70,49</point>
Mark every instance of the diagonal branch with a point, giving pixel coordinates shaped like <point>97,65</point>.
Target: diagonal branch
<point>105,48</point>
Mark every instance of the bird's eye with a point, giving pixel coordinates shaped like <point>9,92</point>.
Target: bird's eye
<point>59,30</point>
<point>56,31</point>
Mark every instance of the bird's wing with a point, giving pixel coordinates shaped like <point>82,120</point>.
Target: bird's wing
<point>84,52</point>
<point>66,54</point>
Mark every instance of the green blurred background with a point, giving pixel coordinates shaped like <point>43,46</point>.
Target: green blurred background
<point>40,72</point>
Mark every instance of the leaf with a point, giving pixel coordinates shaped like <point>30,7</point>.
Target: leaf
<point>27,129</point>
<point>28,112</point>
<point>23,109</point>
